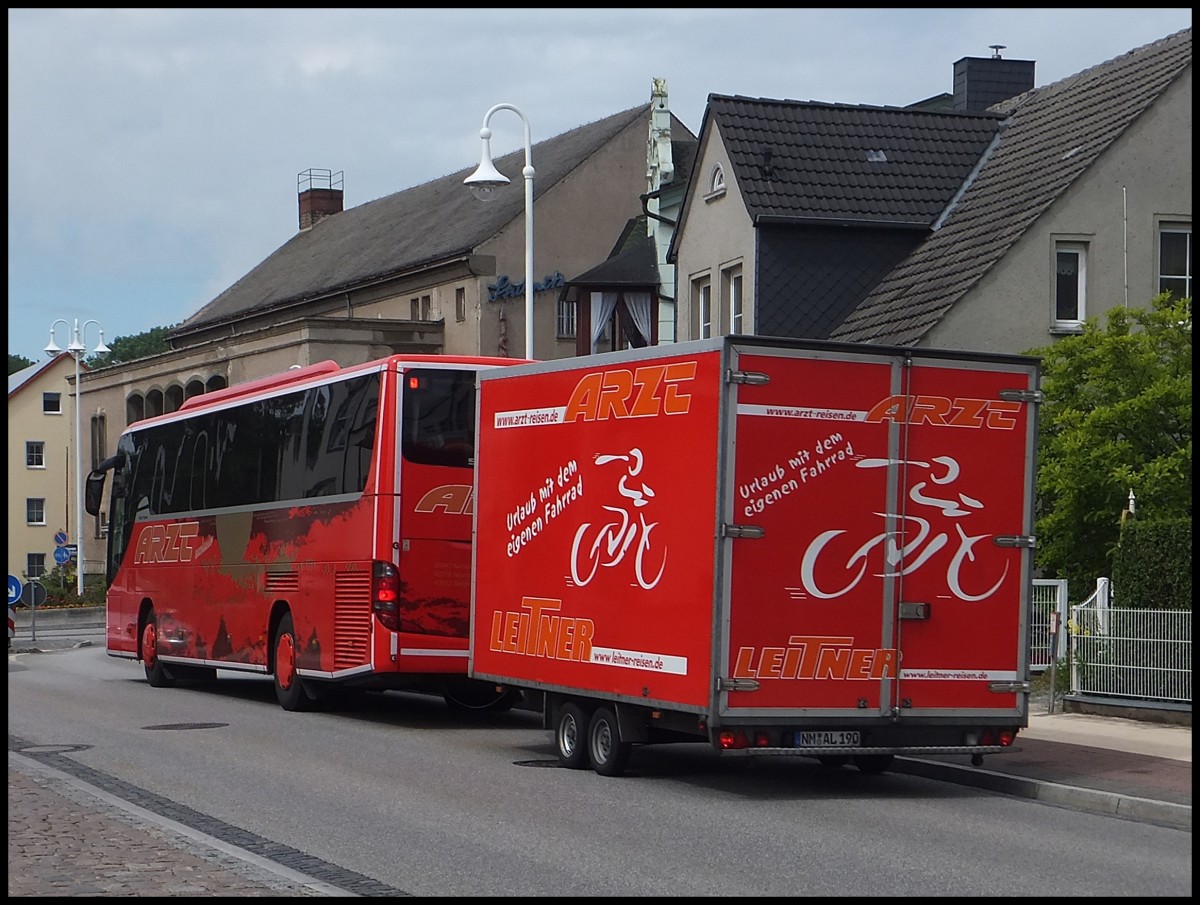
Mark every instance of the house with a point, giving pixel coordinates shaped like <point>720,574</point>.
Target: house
<point>943,223</point>
<point>429,269</point>
<point>629,299</point>
<point>1084,204</point>
<point>42,472</point>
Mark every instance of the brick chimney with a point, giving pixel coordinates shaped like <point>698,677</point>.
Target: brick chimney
<point>320,195</point>
<point>980,82</point>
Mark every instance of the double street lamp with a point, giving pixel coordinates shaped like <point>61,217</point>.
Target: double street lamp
<point>78,349</point>
<point>484,182</point>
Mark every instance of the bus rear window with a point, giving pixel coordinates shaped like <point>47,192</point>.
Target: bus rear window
<point>437,412</point>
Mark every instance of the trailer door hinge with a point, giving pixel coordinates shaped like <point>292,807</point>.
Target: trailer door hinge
<point>1021,395</point>
<point>1015,540</point>
<point>748,531</point>
<point>724,684</point>
<point>754,378</point>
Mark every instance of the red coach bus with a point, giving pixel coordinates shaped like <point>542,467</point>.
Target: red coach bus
<point>314,525</point>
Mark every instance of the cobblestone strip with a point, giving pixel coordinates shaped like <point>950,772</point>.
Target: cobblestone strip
<point>63,841</point>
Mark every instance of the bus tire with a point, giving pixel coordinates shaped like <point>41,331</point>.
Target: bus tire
<point>289,687</point>
<point>608,753</point>
<point>157,674</point>
<point>873,764</point>
<point>570,736</point>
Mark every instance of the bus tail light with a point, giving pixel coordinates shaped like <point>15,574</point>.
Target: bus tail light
<point>385,594</point>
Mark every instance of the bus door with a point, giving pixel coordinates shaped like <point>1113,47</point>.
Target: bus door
<point>437,460</point>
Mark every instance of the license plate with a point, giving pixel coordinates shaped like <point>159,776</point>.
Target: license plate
<point>828,739</point>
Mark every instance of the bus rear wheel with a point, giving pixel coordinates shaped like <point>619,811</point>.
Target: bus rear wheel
<point>157,673</point>
<point>289,687</point>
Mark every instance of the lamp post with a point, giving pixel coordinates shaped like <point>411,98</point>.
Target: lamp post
<point>484,182</point>
<point>78,349</point>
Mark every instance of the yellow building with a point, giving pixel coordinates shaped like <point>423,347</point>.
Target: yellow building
<point>41,465</point>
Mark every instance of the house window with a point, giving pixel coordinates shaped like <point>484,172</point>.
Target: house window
<point>99,438</point>
<point>420,308</point>
<point>460,304</point>
<point>51,403</point>
<point>35,511</point>
<point>35,565</point>
<point>731,280</point>
<point>566,319</point>
<point>716,183</point>
<point>35,454</point>
<point>1070,285</point>
<point>1175,259</point>
<point>702,300</point>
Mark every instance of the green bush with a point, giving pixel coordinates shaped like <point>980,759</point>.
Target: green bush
<point>62,590</point>
<point>1152,566</point>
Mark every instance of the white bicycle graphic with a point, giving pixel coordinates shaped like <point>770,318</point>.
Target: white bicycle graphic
<point>917,550</point>
<point>607,545</point>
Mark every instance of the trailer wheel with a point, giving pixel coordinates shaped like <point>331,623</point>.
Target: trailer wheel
<point>157,673</point>
<point>289,687</point>
<point>570,736</point>
<point>873,764</point>
<point>608,753</point>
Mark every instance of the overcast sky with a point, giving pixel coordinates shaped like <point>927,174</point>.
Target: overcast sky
<point>153,154</point>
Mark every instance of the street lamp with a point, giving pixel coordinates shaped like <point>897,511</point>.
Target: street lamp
<point>78,350</point>
<point>484,182</point>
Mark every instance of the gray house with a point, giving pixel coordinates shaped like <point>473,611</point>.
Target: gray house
<point>941,224</point>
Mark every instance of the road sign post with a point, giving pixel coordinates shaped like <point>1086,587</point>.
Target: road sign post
<point>33,595</point>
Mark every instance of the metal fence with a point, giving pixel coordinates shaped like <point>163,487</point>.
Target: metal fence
<point>1130,653</point>
<point>1047,623</point>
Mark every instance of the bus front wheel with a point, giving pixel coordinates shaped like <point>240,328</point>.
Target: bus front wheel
<point>289,687</point>
<point>157,673</point>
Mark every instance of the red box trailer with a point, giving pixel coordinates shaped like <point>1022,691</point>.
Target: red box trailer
<point>780,547</point>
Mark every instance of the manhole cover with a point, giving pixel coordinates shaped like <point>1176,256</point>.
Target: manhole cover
<point>188,726</point>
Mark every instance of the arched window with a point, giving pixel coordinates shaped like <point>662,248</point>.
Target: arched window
<point>716,180</point>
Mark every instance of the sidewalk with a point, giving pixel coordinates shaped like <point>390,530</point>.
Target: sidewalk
<point>1128,768</point>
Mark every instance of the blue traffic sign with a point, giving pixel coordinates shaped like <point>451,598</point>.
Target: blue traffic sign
<point>60,538</point>
<point>62,555</point>
<point>14,589</point>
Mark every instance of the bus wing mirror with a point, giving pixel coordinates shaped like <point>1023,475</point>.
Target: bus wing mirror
<point>93,491</point>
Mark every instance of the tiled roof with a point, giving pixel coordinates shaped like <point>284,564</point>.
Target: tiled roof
<point>421,225</point>
<point>806,161</point>
<point>632,262</point>
<point>1054,135</point>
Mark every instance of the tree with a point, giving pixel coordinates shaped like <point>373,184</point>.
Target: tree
<point>1116,417</point>
<point>130,348</point>
<point>17,363</point>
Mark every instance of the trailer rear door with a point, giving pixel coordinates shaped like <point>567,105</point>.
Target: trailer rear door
<point>877,520</point>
